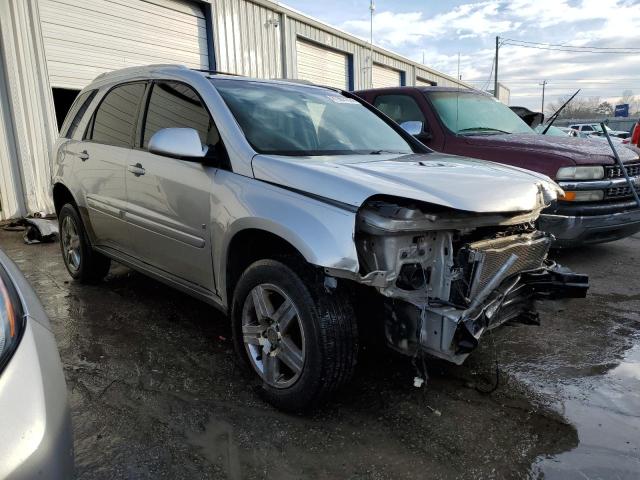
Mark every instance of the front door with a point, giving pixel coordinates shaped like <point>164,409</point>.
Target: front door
<point>169,200</point>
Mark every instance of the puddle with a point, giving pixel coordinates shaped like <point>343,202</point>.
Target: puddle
<point>606,412</point>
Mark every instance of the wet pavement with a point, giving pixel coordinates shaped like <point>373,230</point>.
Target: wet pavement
<point>155,392</point>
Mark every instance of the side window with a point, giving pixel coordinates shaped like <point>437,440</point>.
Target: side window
<point>114,121</point>
<point>401,108</point>
<point>587,128</point>
<point>77,111</point>
<point>175,105</point>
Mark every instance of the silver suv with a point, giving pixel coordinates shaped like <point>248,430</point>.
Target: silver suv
<point>305,214</point>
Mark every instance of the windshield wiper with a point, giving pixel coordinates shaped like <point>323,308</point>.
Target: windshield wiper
<point>557,113</point>
<point>482,129</point>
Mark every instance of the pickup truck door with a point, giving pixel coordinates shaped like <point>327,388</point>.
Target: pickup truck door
<point>102,155</point>
<point>410,105</point>
<point>169,200</point>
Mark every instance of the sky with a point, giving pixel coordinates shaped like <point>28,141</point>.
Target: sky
<point>440,30</point>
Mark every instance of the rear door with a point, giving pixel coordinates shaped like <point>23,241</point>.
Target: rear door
<point>169,200</point>
<point>102,155</point>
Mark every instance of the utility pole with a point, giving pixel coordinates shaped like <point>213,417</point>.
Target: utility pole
<point>372,8</point>
<point>495,83</point>
<point>544,84</point>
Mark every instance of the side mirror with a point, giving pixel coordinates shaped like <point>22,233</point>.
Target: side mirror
<point>412,127</point>
<point>182,143</point>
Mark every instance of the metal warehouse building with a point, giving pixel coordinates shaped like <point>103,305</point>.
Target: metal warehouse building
<point>50,49</point>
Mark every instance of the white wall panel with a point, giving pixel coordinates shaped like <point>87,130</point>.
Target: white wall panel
<point>84,39</point>
<point>26,112</point>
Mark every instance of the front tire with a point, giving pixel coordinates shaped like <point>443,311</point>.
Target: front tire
<point>82,262</point>
<point>298,339</point>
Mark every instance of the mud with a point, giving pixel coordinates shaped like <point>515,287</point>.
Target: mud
<point>155,392</point>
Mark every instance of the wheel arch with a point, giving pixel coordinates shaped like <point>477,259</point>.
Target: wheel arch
<point>61,196</point>
<point>255,239</point>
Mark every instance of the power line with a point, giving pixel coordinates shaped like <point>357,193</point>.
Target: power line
<point>560,49</point>
<point>486,84</point>
<point>590,47</point>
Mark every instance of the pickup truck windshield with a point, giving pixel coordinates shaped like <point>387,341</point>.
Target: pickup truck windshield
<point>299,120</point>
<point>476,114</point>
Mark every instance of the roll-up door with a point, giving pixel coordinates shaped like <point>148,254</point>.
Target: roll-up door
<point>85,38</point>
<point>321,65</point>
<point>386,77</point>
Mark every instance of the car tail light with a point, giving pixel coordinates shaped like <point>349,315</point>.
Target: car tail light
<point>11,318</point>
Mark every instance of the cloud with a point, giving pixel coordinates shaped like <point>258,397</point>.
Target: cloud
<point>470,28</point>
<point>467,20</point>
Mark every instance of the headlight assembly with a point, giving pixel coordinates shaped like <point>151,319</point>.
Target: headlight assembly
<point>580,173</point>
<point>11,319</point>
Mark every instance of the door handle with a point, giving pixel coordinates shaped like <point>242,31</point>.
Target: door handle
<point>136,169</point>
<point>84,155</point>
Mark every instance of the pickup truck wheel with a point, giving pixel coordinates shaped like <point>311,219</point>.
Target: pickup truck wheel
<point>292,334</point>
<point>82,262</point>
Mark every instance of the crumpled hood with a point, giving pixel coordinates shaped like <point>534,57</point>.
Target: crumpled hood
<point>447,180</point>
<point>581,150</point>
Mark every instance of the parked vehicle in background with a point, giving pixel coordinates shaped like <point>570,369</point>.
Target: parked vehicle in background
<point>37,440</point>
<point>598,205</point>
<point>594,129</point>
<point>289,206</point>
<point>556,131</point>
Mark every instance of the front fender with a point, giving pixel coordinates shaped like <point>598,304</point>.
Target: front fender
<point>322,232</point>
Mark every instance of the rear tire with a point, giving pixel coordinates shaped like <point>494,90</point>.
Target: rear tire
<point>83,263</point>
<point>297,338</point>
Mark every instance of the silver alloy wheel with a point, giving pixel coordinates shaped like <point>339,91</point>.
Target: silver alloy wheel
<point>70,243</point>
<point>273,335</point>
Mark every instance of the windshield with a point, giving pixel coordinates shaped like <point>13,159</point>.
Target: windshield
<point>283,119</point>
<point>474,114</point>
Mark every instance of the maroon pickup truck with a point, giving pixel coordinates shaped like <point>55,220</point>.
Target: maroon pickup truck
<point>598,205</point>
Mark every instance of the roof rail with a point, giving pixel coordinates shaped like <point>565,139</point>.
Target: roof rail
<point>138,67</point>
<point>216,72</point>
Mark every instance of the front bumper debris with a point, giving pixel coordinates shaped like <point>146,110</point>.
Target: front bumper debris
<point>452,333</point>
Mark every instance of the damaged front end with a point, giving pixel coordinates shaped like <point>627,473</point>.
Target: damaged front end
<point>448,276</point>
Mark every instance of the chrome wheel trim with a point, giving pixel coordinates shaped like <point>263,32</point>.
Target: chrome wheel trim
<point>70,244</point>
<point>273,335</point>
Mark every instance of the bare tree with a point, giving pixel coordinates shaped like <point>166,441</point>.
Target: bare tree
<point>605,109</point>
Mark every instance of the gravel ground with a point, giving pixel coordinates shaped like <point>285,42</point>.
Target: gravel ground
<point>155,392</point>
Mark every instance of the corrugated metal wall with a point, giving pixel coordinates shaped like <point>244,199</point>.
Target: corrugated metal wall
<point>252,37</point>
<point>26,112</point>
<point>247,39</point>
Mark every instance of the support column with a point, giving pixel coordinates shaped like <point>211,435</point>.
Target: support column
<point>26,111</point>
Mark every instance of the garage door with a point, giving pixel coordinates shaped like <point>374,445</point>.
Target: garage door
<point>85,38</point>
<point>385,77</point>
<point>322,65</point>
<point>424,83</point>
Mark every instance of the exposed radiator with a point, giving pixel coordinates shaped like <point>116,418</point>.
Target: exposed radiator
<point>487,256</point>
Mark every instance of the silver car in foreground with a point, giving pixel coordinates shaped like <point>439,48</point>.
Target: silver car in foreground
<point>35,425</point>
<point>305,214</point>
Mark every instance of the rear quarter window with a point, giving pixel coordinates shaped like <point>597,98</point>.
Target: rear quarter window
<point>76,113</point>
